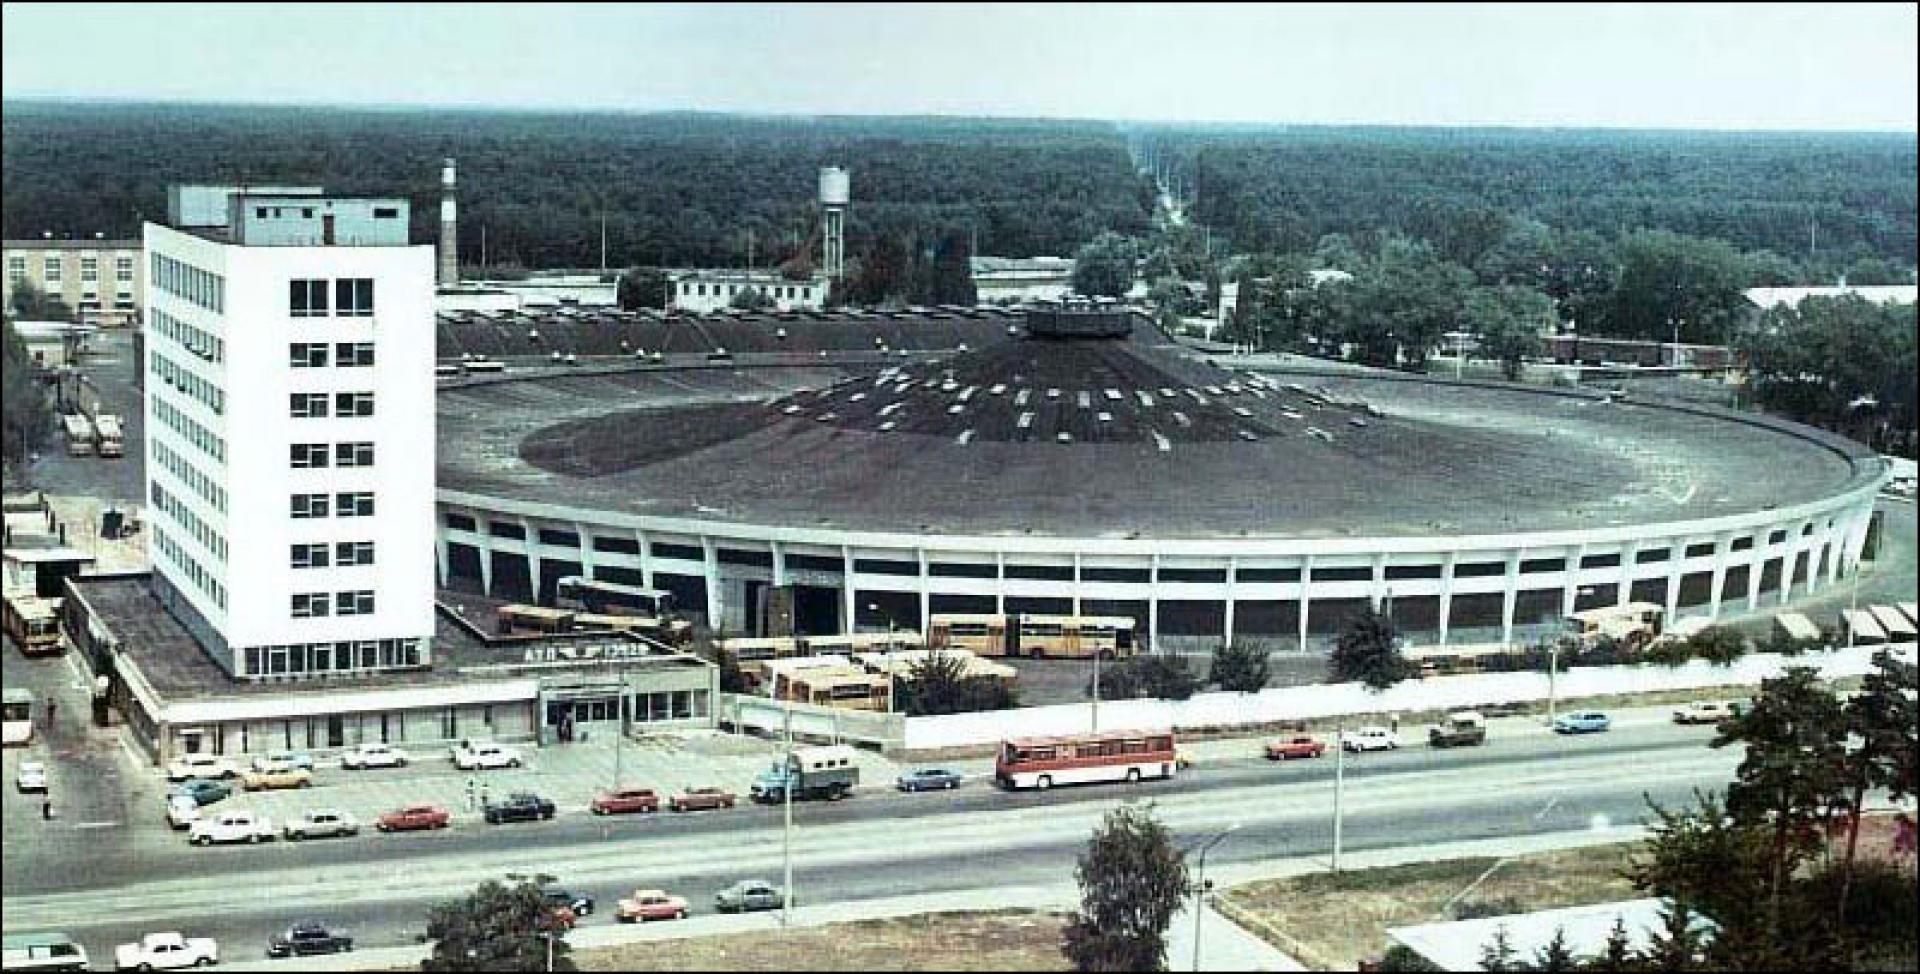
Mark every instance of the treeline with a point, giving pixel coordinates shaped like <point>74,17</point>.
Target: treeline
<point>1823,204</point>
<point>674,189</point>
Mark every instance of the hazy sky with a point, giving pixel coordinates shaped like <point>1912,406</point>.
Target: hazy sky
<point>1706,66</point>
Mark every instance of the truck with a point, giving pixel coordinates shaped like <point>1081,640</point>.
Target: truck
<point>108,436</point>
<point>79,434</point>
<point>1463,728</point>
<point>809,772</point>
<point>234,825</point>
<point>165,952</point>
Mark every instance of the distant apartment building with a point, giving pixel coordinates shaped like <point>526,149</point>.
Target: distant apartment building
<point>702,291</point>
<point>102,281</point>
<point>1016,280</point>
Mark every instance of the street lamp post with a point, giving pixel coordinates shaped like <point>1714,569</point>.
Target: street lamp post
<point>1200,887</point>
<point>1339,787</point>
<point>786,833</point>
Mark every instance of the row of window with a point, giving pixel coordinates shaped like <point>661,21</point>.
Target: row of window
<point>198,341</point>
<point>313,355</point>
<point>352,297</point>
<point>340,554</point>
<point>189,568</point>
<point>308,456</point>
<point>210,395</point>
<point>208,489</point>
<point>313,405</point>
<point>213,541</point>
<point>363,654</point>
<point>202,438</point>
<point>53,268</point>
<point>317,605</point>
<point>204,288</point>
<point>358,503</point>
<point>733,290</point>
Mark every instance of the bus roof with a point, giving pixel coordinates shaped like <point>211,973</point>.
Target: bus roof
<point>16,695</point>
<point>940,617</point>
<point>1077,738</point>
<point>1118,622</point>
<point>605,586</point>
<point>536,612</point>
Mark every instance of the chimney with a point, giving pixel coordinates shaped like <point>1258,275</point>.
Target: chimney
<point>449,230</point>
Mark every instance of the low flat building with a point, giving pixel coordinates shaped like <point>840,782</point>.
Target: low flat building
<point>1456,945</point>
<point>1766,298</point>
<point>712,290</point>
<point>1016,280</point>
<point>507,688</point>
<point>103,281</point>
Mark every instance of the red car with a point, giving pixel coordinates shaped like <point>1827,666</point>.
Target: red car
<point>700,799</point>
<point>1296,746</point>
<point>413,817</point>
<point>631,800</point>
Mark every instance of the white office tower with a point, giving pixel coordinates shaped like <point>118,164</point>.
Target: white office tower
<point>290,430</point>
<point>834,195</point>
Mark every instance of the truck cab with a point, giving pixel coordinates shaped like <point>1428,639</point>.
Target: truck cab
<point>1463,728</point>
<point>809,772</point>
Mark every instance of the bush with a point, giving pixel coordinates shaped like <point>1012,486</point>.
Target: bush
<point>1163,676</point>
<point>1399,958</point>
<point>1240,668</point>
<point>1498,906</point>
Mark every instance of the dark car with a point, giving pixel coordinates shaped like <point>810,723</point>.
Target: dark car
<point>307,938</point>
<point>203,791</point>
<point>568,904</point>
<point>520,806</point>
<point>926,778</point>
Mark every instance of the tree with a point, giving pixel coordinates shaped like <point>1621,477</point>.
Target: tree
<point>1132,882</point>
<point>1164,676</point>
<point>1885,722</point>
<point>1368,651</point>
<point>1104,266</point>
<point>1404,300</point>
<point>1670,278</point>
<point>1555,957</point>
<point>1618,953</point>
<point>29,303</point>
<point>733,679</point>
<point>25,416</point>
<point>1818,361</point>
<point>1720,645</point>
<point>644,287</point>
<point>751,298</point>
<point>1242,668</point>
<point>1792,770</point>
<point>939,683</point>
<point>1498,954</point>
<point>1676,946</point>
<point>1402,960</point>
<point>1509,320</point>
<point>498,928</point>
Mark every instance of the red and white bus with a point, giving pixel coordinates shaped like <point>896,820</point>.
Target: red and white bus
<point>1042,762</point>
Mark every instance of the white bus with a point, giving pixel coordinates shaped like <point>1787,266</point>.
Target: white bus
<point>16,716</point>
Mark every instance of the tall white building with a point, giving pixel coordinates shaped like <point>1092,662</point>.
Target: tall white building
<point>290,429</point>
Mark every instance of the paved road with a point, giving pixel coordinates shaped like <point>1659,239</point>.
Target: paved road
<point>877,845</point>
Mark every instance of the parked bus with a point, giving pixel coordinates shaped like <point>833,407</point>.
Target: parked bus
<point>1042,762</point>
<point>752,649</point>
<point>518,620</point>
<point>109,436</point>
<point>16,716</point>
<point>33,623</point>
<point>610,598</point>
<point>1070,637</point>
<point>79,434</point>
<point>674,631</point>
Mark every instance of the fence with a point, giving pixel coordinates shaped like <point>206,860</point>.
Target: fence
<point>813,721</point>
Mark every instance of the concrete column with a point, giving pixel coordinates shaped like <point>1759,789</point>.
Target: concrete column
<point>1379,584</point>
<point>1076,583</point>
<point>1722,546</point>
<point>586,548</point>
<point>1446,594</point>
<point>926,591</point>
<point>1835,540</point>
<point>1796,544</point>
<point>1000,582</point>
<point>441,564</point>
<point>1756,563</point>
<point>1676,558</point>
<point>1627,565</point>
<point>1570,593</point>
<point>1510,595</point>
<point>1857,535</point>
<point>1153,602</point>
<point>1233,570</point>
<point>485,538</point>
<point>530,543</point>
<point>849,592</point>
<point>646,558</point>
<point>779,564</point>
<point>714,603</point>
<point>1306,598</point>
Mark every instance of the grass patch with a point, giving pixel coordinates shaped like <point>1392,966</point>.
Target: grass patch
<point>995,940</point>
<point>1331,922</point>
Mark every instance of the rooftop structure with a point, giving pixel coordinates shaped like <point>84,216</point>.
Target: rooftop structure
<point>1455,945</point>
<point>1773,297</point>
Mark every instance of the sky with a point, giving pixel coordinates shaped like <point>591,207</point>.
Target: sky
<point>1715,66</point>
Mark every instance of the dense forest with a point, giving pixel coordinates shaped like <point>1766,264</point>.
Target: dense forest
<point>1825,200</point>
<point>675,189</point>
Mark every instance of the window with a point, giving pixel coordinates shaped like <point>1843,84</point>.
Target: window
<point>1532,565</point>
<point>459,522</point>
<point>308,455</point>
<point>353,355</point>
<point>307,405</point>
<point>307,355</point>
<point>353,454</point>
<point>358,602</point>
<point>1600,561</point>
<point>309,605</point>
<point>16,268</point>
<point>123,269</point>
<point>1260,574</point>
<point>349,553</point>
<point>1333,574</point>
<point>1700,550</point>
<point>353,503</point>
<point>309,505</point>
<point>1742,544</point>
<point>353,404</point>
<point>1479,569</point>
<point>307,298</point>
<point>53,266</point>
<point>1657,554</point>
<point>504,529</point>
<point>1397,573</point>
<point>382,213</point>
<point>309,556</point>
<point>353,297</point>
<point>89,269</point>
<point>559,539</point>
<point>621,546</point>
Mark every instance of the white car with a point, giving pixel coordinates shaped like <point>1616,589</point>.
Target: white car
<point>182,811</point>
<point>476,756</point>
<point>166,952</point>
<point>374,755</point>
<point>1370,739</point>
<point>201,766</point>
<point>317,822</point>
<point>232,825</point>
<point>1707,711</point>
<point>32,777</point>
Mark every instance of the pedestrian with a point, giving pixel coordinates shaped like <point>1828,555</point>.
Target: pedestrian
<point>46,810</point>
<point>51,709</point>
<point>1396,723</point>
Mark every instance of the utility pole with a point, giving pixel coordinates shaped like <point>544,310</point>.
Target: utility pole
<point>1339,787</point>
<point>1201,888</point>
<point>786,835</point>
<point>1096,693</point>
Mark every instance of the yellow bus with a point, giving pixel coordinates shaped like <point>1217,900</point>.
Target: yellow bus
<point>1058,636</point>
<point>514,620</point>
<point>34,624</point>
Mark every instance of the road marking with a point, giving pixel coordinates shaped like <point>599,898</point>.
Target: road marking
<point>1555,800</point>
<point>94,825</point>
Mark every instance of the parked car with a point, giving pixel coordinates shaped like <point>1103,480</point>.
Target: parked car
<point>413,818</point>
<point>1295,746</point>
<point>284,776</point>
<point>201,766</point>
<point>1371,739</point>
<point>307,937</point>
<point>749,895</point>
<point>1463,728</point>
<point>315,823</point>
<point>374,755</point>
<point>232,825</point>
<point>279,759</point>
<point>700,799</point>
<point>166,952</point>
<point>182,811</point>
<point>1707,711</point>
<point>32,777</point>
<point>201,791</point>
<point>927,778</point>
<point>651,904</point>
<point>521,806</point>
<point>1583,722</point>
<point>481,756</point>
<point>622,802</point>
<point>577,904</point>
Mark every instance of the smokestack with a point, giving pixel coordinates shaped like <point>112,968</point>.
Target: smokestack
<point>449,230</point>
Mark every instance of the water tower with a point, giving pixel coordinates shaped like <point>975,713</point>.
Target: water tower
<point>833,220</point>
